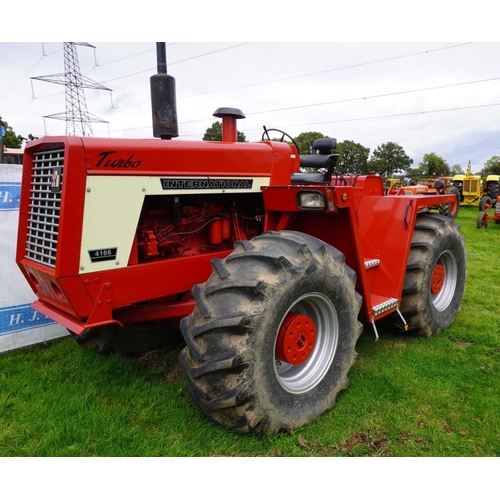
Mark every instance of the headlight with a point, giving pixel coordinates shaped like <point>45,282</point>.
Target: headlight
<point>311,200</point>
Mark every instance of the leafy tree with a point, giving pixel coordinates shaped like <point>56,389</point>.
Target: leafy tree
<point>456,169</point>
<point>305,141</point>
<point>353,157</point>
<point>433,165</point>
<point>415,173</point>
<point>492,166</point>
<point>389,158</point>
<point>11,140</point>
<point>214,133</point>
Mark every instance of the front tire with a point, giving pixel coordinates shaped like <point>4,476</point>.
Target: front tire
<point>493,191</point>
<point>485,204</point>
<point>482,221</point>
<point>272,337</point>
<point>435,277</point>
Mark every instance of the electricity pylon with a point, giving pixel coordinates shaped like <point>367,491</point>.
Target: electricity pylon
<point>78,119</point>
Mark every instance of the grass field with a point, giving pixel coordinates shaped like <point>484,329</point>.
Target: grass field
<point>409,397</point>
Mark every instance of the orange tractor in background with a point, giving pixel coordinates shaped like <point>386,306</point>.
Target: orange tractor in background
<point>433,187</point>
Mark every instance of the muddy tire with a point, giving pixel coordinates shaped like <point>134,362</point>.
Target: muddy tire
<point>493,191</point>
<point>485,204</point>
<point>481,221</point>
<point>131,340</point>
<point>448,209</point>
<point>435,277</point>
<point>272,337</point>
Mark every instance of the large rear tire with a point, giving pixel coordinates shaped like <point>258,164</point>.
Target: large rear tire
<point>272,337</point>
<point>435,277</point>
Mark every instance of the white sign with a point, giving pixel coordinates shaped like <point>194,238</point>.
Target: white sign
<point>20,325</point>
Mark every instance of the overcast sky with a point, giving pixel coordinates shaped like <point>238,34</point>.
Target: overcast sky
<point>441,97</point>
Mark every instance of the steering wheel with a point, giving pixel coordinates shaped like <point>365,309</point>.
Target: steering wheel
<point>283,135</point>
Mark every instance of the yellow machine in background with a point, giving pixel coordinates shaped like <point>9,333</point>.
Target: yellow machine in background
<point>474,192</point>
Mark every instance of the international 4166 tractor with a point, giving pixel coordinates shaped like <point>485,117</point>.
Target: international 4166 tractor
<point>268,272</point>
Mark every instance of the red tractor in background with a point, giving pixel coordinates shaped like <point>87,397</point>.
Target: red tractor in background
<point>268,272</point>
<point>484,217</point>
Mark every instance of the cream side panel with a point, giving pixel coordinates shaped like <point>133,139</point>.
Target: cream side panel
<point>112,208</point>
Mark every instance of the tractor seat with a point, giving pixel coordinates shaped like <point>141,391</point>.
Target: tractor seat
<point>308,178</point>
<point>323,161</point>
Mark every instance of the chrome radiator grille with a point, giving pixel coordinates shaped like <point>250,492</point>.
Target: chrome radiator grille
<point>44,208</point>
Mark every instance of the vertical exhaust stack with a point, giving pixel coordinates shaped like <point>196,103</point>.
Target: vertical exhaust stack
<point>163,99</point>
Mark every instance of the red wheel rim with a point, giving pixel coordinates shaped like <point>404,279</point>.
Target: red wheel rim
<point>438,277</point>
<point>296,339</point>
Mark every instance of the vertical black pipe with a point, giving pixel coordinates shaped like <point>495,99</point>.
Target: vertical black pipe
<point>163,98</point>
<point>161,57</point>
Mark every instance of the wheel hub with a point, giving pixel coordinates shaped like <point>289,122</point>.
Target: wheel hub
<point>438,279</point>
<point>296,339</point>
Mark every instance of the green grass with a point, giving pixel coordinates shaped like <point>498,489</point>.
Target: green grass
<point>409,397</point>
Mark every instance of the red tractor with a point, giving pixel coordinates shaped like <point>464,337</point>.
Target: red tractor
<point>268,272</point>
<point>483,218</point>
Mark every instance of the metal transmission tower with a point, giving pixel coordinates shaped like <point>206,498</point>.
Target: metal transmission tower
<point>78,119</point>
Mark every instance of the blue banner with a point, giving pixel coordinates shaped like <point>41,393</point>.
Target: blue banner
<point>23,317</point>
<point>10,195</point>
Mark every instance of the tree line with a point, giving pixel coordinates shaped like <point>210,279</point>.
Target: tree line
<point>387,160</point>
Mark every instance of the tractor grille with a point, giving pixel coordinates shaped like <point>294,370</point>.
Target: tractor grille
<point>44,207</point>
<point>471,186</point>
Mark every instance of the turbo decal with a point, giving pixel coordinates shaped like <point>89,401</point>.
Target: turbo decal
<point>109,159</point>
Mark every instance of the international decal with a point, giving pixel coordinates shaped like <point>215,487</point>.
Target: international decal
<point>216,184</point>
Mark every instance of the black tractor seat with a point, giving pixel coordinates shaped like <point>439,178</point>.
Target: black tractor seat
<point>323,161</point>
<point>308,178</point>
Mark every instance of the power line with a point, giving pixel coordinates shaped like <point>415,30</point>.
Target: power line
<point>338,121</point>
<point>178,62</point>
<point>39,60</point>
<point>326,71</point>
<point>375,96</point>
<point>133,55</point>
<point>353,99</point>
<point>312,74</point>
<point>383,116</point>
<point>377,61</point>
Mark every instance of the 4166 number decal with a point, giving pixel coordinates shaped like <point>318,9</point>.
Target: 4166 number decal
<point>103,254</point>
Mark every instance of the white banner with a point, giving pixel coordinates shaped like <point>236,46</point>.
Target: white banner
<point>20,325</point>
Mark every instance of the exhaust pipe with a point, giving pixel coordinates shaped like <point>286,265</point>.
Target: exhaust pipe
<point>163,99</point>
